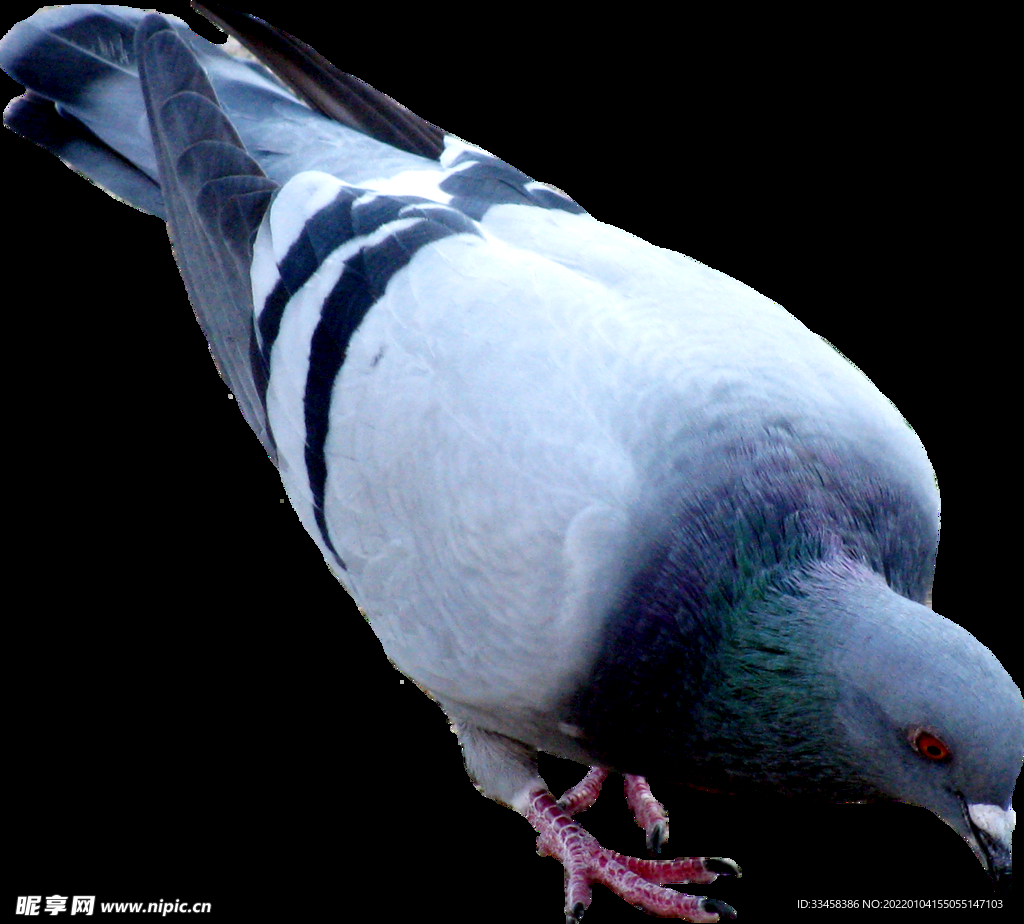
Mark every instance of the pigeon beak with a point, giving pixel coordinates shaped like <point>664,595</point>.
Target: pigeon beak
<point>990,830</point>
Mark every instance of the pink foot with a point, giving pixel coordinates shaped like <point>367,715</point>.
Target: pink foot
<point>637,881</point>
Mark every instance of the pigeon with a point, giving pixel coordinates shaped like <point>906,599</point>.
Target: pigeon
<point>596,499</point>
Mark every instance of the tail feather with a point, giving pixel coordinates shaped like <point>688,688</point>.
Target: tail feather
<point>38,120</point>
<point>84,103</point>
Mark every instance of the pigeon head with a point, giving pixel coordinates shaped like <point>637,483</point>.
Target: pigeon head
<point>926,714</point>
<point>874,696</point>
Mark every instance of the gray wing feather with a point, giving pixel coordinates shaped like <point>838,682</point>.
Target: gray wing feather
<point>202,168</point>
<point>341,97</point>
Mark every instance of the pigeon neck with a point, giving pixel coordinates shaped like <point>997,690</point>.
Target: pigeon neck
<point>716,629</point>
<point>770,717</point>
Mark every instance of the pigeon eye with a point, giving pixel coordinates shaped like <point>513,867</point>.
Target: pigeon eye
<point>929,746</point>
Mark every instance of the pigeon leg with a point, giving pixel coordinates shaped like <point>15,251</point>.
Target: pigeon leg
<point>637,881</point>
<point>506,770</point>
<point>649,813</point>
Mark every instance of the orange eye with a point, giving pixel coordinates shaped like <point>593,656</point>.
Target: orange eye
<point>929,746</point>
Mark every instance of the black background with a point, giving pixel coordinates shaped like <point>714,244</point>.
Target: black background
<point>199,712</point>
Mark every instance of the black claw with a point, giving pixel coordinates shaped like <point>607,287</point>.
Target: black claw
<point>656,839</point>
<point>716,906</point>
<point>576,914</point>
<point>723,866</point>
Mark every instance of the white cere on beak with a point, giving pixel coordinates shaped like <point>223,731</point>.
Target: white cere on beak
<point>994,820</point>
